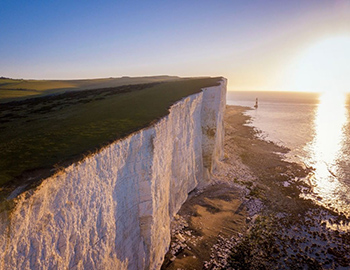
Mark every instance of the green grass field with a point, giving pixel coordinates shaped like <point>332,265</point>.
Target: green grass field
<point>14,89</point>
<point>40,134</point>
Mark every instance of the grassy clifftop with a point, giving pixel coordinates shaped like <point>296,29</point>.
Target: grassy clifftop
<point>40,134</point>
<point>14,89</point>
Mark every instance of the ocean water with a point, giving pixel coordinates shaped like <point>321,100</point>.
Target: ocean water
<point>316,128</point>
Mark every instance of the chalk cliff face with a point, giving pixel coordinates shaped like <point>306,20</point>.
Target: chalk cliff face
<point>113,210</point>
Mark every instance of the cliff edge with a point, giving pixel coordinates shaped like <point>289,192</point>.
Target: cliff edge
<point>113,209</point>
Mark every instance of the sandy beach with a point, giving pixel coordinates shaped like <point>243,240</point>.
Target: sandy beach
<point>253,216</point>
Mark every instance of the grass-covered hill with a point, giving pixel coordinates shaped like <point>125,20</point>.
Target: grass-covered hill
<point>39,135</point>
<point>14,89</point>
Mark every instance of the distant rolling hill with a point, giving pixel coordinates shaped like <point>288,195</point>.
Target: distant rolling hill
<point>14,89</point>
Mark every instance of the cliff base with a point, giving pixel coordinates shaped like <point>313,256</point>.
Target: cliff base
<point>268,225</point>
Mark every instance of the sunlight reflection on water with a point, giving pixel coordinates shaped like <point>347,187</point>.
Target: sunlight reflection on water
<point>325,150</point>
<point>316,129</point>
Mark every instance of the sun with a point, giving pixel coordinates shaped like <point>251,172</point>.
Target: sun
<point>323,67</point>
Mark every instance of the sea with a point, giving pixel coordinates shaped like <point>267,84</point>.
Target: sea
<point>316,129</point>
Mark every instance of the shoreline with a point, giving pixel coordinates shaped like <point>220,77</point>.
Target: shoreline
<point>277,229</point>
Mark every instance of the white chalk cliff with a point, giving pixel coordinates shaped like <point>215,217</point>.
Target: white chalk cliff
<point>113,210</point>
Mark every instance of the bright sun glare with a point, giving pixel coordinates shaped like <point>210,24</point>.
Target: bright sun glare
<point>323,67</point>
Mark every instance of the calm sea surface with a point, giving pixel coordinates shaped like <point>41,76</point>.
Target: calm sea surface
<point>317,130</point>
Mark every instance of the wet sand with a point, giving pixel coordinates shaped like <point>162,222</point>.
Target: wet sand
<point>252,217</point>
<point>213,214</point>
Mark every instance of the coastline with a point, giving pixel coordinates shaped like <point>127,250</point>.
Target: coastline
<point>143,179</point>
<point>271,226</point>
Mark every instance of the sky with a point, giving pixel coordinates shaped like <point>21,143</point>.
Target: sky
<point>257,45</point>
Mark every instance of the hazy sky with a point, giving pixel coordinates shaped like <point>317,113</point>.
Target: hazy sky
<point>252,43</point>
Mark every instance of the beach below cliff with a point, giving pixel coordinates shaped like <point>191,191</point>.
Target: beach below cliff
<point>254,216</point>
